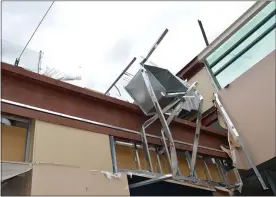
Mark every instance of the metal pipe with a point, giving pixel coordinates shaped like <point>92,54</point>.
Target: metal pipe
<point>155,117</point>
<point>166,150</point>
<point>154,46</point>
<point>158,161</point>
<point>132,61</point>
<point>151,181</point>
<point>132,145</point>
<point>113,154</point>
<point>207,172</point>
<point>137,156</point>
<point>188,158</point>
<point>203,32</point>
<point>98,123</point>
<point>221,172</point>
<point>225,179</point>
<point>146,149</point>
<point>27,143</point>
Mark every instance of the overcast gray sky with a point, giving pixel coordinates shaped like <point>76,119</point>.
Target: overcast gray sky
<point>102,36</point>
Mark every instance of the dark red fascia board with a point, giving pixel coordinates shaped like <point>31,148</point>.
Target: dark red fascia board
<point>30,88</point>
<point>191,69</point>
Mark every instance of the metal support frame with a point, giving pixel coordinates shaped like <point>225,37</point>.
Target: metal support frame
<point>164,131</point>
<point>27,144</point>
<point>233,130</point>
<point>151,181</point>
<point>206,170</point>
<point>146,148</point>
<point>197,133</point>
<point>158,161</point>
<point>177,177</point>
<point>221,170</point>
<point>163,121</point>
<point>113,154</point>
<point>137,156</point>
<point>188,158</point>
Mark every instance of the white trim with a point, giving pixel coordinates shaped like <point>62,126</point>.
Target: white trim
<point>98,123</point>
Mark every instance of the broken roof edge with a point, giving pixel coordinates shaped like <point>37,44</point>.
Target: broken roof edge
<point>20,71</point>
<point>196,64</point>
<point>40,79</point>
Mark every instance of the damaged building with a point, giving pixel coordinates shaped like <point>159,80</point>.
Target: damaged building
<point>208,130</point>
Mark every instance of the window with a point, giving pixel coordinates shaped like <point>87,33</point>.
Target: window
<point>16,137</point>
<point>245,48</point>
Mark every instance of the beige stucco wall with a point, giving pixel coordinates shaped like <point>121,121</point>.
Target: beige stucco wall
<point>250,104</point>
<point>51,179</point>
<point>204,87</point>
<point>69,146</point>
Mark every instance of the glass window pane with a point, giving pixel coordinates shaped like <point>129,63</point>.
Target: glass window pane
<point>239,34</point>
<point>244,44</point>
<point>253,56</point>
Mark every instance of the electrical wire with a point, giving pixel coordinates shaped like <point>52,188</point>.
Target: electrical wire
<point>18,59</point>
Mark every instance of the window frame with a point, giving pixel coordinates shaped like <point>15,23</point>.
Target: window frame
<point>238,43</point>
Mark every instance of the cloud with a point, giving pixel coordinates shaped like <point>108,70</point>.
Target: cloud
<point>120,51</point>
<point>102,36</point>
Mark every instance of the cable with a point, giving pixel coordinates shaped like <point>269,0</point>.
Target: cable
<point>18,59</point>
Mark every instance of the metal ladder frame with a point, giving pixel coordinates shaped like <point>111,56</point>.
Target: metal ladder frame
<point>233,131</point>
<point>165,131</point>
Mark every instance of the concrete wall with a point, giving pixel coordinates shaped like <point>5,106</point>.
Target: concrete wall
<point>69,161</point>
<point>69,146</point>
<point>50,179</point>
<point>204,87</point>
<point>250,104</point>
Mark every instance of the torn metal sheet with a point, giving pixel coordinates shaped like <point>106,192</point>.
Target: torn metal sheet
<point>12,169</point>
